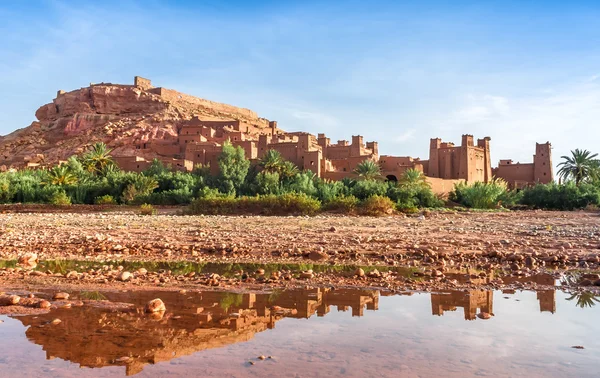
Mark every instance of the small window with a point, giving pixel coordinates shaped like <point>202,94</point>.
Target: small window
<point>344,169</point>
<point>544,173</point>
<point>312,163</point>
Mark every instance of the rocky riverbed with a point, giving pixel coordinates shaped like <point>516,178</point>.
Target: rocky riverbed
<point>422,252</point>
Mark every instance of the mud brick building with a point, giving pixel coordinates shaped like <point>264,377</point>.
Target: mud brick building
<point>140,122</point>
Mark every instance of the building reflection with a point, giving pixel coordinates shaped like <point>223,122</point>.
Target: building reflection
<point>117,332</point>
<point>546,298</point>
<point>469,301</point>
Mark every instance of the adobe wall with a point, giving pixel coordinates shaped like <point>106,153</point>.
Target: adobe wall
<point>250,148</point>
<point>312,161</point>
<point>206,153</point>
<point>348,164</point>
<point>515,174</point>
<point>391,163</point>
<point>131,163</point>
<point>442,186</point>
<point>142,83</point>
<point>166,149</point>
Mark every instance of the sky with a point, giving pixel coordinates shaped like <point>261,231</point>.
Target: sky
<point>396,72</point>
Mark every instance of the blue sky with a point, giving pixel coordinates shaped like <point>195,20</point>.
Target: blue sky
<point>392,72</point>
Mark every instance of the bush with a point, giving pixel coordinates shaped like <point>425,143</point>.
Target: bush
<point>60,198</point>
<point>367,188</point>
<point>105,200</point>
<point>147,209</point>
<point>289,203</point>
<point>479,195</point>
<point>377,205</point>
<point>561,197</point>
<point>168,197</point>
<point>343,204</point>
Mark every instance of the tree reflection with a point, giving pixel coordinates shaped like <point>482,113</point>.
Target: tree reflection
<point>584,299</point>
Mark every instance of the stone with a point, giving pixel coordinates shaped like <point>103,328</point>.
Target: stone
<point>155,305</point>
<point>318,256</point>
<point>307,274</point>
<point>484,315</point>
<point>9,300</point>
<point>44,304</point>
<point>61,296</point>
<point>56,322</point>
<point>359,272</point>
<point>125,276</point>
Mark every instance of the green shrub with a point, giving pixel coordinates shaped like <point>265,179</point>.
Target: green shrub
<point>105,200</point>
<point>377,205</point>
<point>343,204</point>
<point>289,203</point>
<point>561,197</point>
<point>60,198</point>
<point>367,188</point>
<point>479,195</point>
<point>5,190</point>
<point>147,209</point>
<point>168,197</point>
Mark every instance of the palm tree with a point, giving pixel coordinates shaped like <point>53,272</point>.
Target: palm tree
<point>61,175</point>
<point>288,170</point>
<point>368,170</point>
<point>579,166</point>
<point>97,158</point>
<point>413,178</point>
<point>272,161</point>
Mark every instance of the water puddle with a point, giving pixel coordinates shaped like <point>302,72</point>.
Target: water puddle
<point>307,333</point>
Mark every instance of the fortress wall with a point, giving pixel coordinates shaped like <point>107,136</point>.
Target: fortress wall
<point>174,96</point>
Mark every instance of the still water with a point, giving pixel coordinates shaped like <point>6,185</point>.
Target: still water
<point>308,333</point>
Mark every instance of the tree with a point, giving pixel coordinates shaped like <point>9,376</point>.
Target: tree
<point>288,170</point>
<point>233,167</point>
<point>272,162</point>
<point>579,166</point>
<point>141,186</point>
<point>413,178</point>
<point>61,175</point>
<point>368,170</point>
<point>97,158</point>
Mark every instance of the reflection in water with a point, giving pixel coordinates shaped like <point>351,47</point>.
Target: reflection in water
<point>470,301</point>
<point>116,332</point>
<point>584,299</point>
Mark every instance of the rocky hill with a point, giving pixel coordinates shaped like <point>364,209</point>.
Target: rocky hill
<point>115,114</point>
